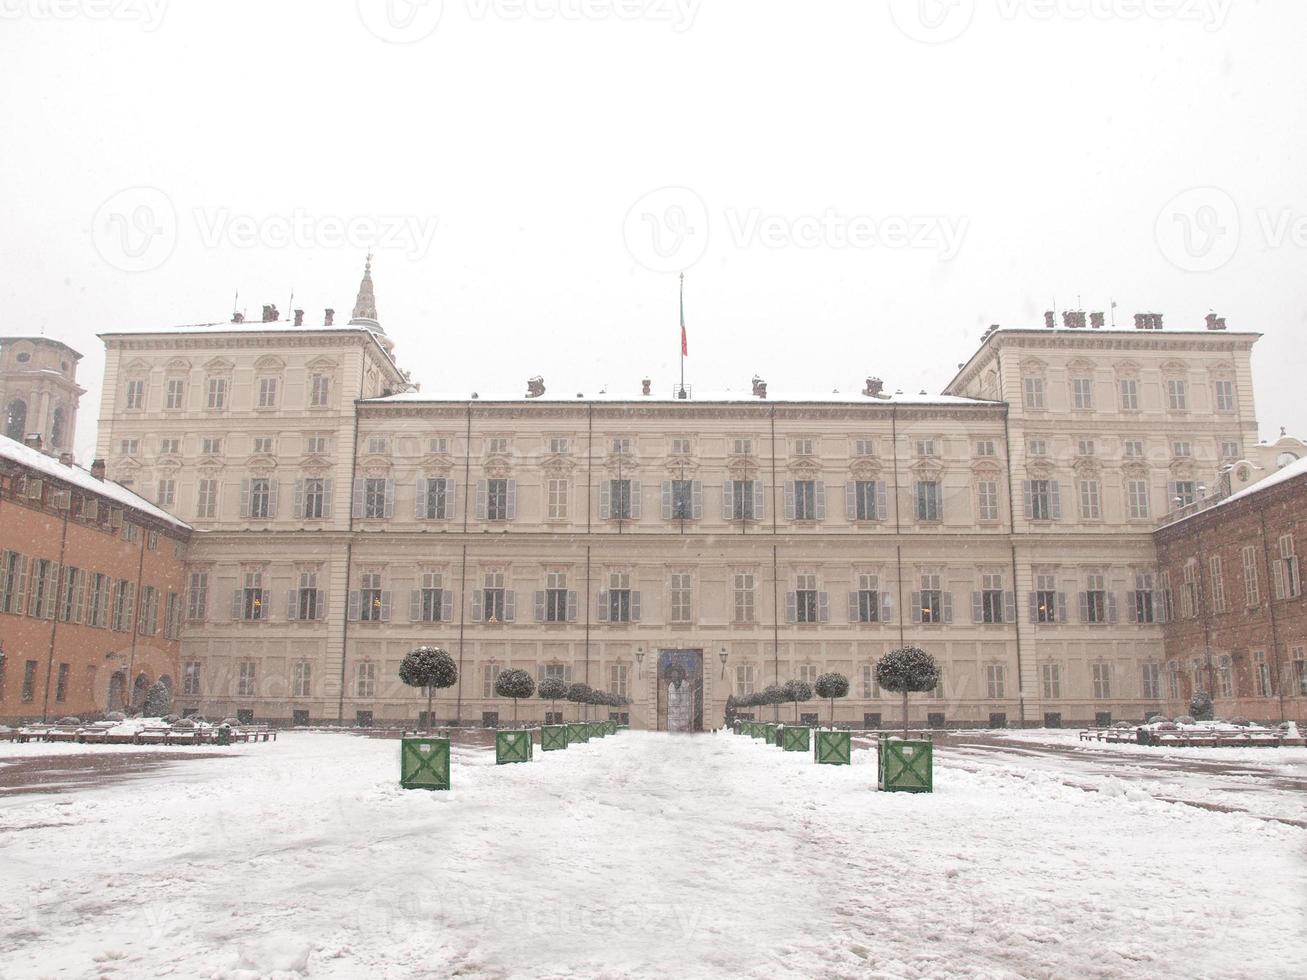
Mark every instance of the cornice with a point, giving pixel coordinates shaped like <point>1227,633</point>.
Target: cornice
<point>703,410</point>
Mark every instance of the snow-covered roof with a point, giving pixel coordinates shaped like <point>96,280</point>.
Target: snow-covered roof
<point>249,326</point>
<point>82,479</point>
<point>829,397</point>
<point>1294,469</point>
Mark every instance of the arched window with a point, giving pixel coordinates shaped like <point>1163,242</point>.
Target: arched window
<point>16,419</point>
<point>57,428</point>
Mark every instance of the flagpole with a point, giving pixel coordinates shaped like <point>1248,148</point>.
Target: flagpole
<point>682,392</point>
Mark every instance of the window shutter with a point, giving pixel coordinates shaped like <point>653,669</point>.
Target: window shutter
<point>635,606</point>
<point>539,606</point>
<point>851,500</point>
<point>326,499</point>
<point>510,606</point>
<point>1032,602</point>
<point>853,607</point>
<point>451,495</point>
<point>446,605</point>
<point>977,608</point>
<point>481,500</point>
<point>1029,496</point>
<point>667,500</point>
<point>728,499</point>
<point>1132,607</point>
<point>298,504</point>
<point>420,500</point>
<point>477,615</point>
<point>821,500</point>
<point>601,610</point>
<point>887,607</point>
<point>357,509</point>
<point>1009,607</point>
<point>635,500</point>
<point>1277,576</point>
<point>245,498</point>
<point>1055,498</point>
<point>696,499</point>
<point>1172,491</point>
<point>131,603</point>
<point>236,604</point>
<point>948,606</point>
<point>414,605</point>
<point>1062,614</point>
<point>571,605</point>
<point>389,510</point>
<point>759,501</point>
<point>512,500</point>
<point>823,607</point>
<point>791,607</point>
<point>1084,607</point>
<point>789,500</point>
<point>385,607</point>
<point>1111,607</point>
<point>605,500</point>
<point>292,607</point>
<point>321,610</point>
<point>1159,606</point>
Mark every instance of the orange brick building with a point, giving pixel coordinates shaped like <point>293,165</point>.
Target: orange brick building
<point>91,589</point>
<point>1232,585</point>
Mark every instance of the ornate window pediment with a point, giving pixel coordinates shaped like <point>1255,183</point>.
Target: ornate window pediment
<point>1136,468</point>
<point>178,365</point>
<point>742,469</point>
<point>986,468</point>
<point>866,469</point>
<point>1080,365</point>
<point>1040,468</point>
<point>269,363</point>
<point>262,461</point>
<point>498,469</point>
<point>1175,367</point>
<point>1033,366</point>
<point>137,366</point>
<point>1183,469</point>
<point>1126,369</point>
<point>559,467</point>
<point>1087,467</point>
<point>927,469</point>
<point>804,468</point>
<point>377,465</point>
<point>322,365</point>
<point>219,365</point>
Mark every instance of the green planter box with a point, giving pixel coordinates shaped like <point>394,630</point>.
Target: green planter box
<point>512,747</point>
<point>597,729</point>
<point>832,748</point>
<point>424,763</point>
<point>905,766</point>
<point>578,731</point>
<point>795,738</point>
<point>767,732</point>
<point>611,726</point>
<point>553,737</point>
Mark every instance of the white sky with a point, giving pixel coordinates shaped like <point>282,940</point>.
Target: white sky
<point>1057,143</point>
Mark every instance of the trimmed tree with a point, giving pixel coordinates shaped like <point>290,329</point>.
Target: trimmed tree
<point>158,700</point>
<point>515,684</point>
<point>553,690</point>
<point>832,686</point>
<point>773,694</point>
<point>1200,706</point>
<point>429,667</point>
<point>797,691</point>
<point>579,694</point>
<point>907,669</point>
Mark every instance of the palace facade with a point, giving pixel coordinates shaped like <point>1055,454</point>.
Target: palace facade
<point>343,518</point>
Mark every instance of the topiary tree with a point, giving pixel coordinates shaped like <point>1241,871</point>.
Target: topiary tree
<point>158,700</point>
<point>1200,706</point>
<point>797,691</point>
<point>553,690</point>
<point>429,667</point>
<point>579,694</point>
<point>515,684</point>
<point>907,669</point>
<point>832,686</point>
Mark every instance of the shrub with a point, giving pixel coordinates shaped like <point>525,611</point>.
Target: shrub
<point>69,720</point>
<point>579,694</point>
<point>515,684</point>
<point>158,700</point>
<point>553,690</point>
<point>905,670</point>
<point>429,667</point>
<point>114,716</point>
<point>1200,706</point>
<point>832,686</point>
<point>797,691</point>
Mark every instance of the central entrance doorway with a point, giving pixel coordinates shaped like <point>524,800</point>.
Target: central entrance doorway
<point>680,690</point>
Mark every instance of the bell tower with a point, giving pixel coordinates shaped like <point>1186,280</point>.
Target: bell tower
<point>39,394</point>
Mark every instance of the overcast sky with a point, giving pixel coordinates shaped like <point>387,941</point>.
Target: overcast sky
<point>852,188</point>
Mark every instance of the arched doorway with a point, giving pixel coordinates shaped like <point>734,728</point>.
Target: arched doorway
<point>16,419</point>
<point>117,690</point>
<point>141,685</point>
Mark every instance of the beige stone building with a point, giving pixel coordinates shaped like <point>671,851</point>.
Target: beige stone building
<point>344,518</point>
<point>39,393</point>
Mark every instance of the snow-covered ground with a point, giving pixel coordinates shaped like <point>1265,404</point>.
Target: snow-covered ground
<point>642,855</point>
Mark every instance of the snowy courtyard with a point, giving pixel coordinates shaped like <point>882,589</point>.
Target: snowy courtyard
<point>653,855</point>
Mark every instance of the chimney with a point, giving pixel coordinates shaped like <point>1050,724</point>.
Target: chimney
<point>759,387</point>
<point>328,317</point>
<point>1074,319</point>
<point>32,440</point>
<point>66,458</point>
<point>1215,322</point>
<point>1050,319</point>
<point>97,469</point>
<point>535,387</point>
<point>874,388</point>
<point>1096,320</point>
<point>238,317</point>
<point>646,387</point>
<point>270,314</point>
<point>1148,321</point>
<point>299,318</point>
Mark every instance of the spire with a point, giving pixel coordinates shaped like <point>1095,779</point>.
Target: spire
<point>365,306</point>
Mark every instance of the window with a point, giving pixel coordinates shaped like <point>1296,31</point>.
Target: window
<point>1094,600</point>
<point>1050,676</point>
<point>489,675</point>
<point>1091,505</point>
<point>1137,499</point>
<point>211,446</point>
<point>252,604</point>
<point>306,602</point>
<point>1182,449</point>
<point>619,604</point>
<point>989,600</point>
<point>1102,674</point>
<point>435,499</point>
<point>620,503</point>
<point>206,498</point>
<point>1300,669</point>
<point>870,684</point>
<point>1225,678</point>
<point>121,603</point>
<point>805,500</point>
<point>985,447</point>
<point>1086,447</point>
<point>1230,451</point>
<point>373,602</point>
<point>313,500</point>
<point>376,498</point>
<point>556,489</point>
<point>497,508</point>
<point>804,447</point>
<point>682,500</point>
<point>1177,395</point>
<point>805,599</point>
<point>743,680</point>
<point>191,678</point>
<point>315,444</point>
<point>267,393</point>
<point>743,597</point>
<point>1133,448</point>
<point>926,448</point>
<point>378,446</point>
<point>620,445</point>
<point>680,597</point>
<point>319,391</point>
<point>994,682</point>
<point>617,679</point>
<point>866,601</point>
<point>559,604</point>
<point>1217,576</point>
<point>97,601</point>
<point>365,680</point>
<point>1251,589</point>
<point>987,500</point>
<point>1033,391</point>
<point>148,621</point>
<point>1224,390</point>
<point>929,604</point>
<point>1189,589</point>
<point>869,501</point>
<point>129,447</point>
<point>494,598</point>
<point>1129,389</point>
<point>264,446</point>
<point>166,492</point>
<point>1038,447</point>
<point>1262,675</point>
<point>175,394</point>
<point>1288,582</point>
<point>742,447</point>
<point>433,603</point>
<point>217,395</point>
<point>70,596</point>
<point>170,447</point>
<point>1082,394</point>
<point>928,501</point>
<point>301,681</point>
<point>1168,596</point>
<point>864,447</point>
<point>245,679</point>
<point>1144,611</point>
<point>1045,599</point>
<point>743,500</point>
<point>61,685</point>
<point>136,394</point>
<point>1151,687</point>
<point>1043,500</point>
<point>808,673</point>
<point>260,503</point>
<point>29,680</point>
<point>558,446</point>
<point>680,446</point>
